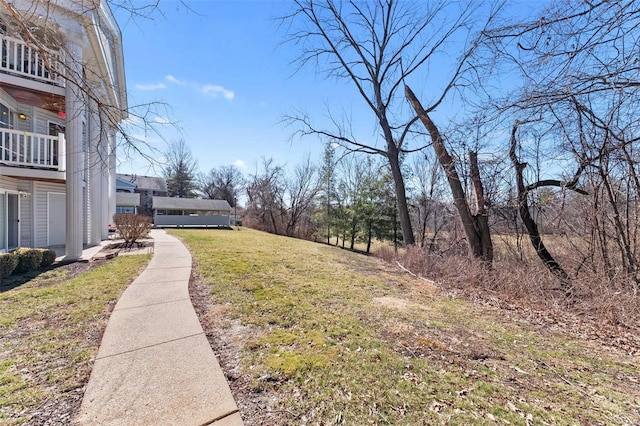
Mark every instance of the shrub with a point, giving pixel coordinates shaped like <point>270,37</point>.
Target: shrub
<point>132,227</point>
<point>48,257</point>
<point>28,259</point>
<point>8,263</point>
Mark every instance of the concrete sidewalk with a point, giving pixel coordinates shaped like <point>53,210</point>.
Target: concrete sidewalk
<point>155,365</point>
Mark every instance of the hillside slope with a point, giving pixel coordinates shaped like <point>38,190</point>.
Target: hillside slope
<point>311,334</point>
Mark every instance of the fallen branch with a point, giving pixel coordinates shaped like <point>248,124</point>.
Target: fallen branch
<point>435,283</point>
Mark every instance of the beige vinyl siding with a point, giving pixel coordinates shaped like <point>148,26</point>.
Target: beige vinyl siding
<point>40,209</point>
<point>42,119</point>
<point>25,125</point>
<point>8,184</point>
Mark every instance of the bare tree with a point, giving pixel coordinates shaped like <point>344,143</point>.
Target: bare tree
<point>426,202</point>
<point>265,197</point>
<point>327,193</point>
<point>579,66</point>
<point>476,226</point>
<point>302,190</point>
<point>223,183</point>
<point>377,45</point>
<point>525,214</point>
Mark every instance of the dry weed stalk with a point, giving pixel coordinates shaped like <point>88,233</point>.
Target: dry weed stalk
<point>598,302</point>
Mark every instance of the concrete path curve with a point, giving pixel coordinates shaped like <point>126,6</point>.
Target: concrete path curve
<point>155,365</point>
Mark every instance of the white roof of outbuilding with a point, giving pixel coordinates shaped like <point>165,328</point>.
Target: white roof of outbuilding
<point>194,204</point>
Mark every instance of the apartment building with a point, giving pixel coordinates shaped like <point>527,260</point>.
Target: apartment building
<point>62,96</point>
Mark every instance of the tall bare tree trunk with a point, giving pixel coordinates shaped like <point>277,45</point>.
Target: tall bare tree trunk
<point>481,216</point>
<point>476,227</point>
<point>393,156</point>
<point>532,228</point>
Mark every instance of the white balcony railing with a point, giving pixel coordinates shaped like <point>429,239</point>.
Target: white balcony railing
<point>22,60</point>
<point>32,150</point>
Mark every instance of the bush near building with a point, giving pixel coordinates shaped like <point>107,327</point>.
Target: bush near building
<point>8,263</point>
<point>48,257</point>
<point>24,260</point>
<point>29,259</point>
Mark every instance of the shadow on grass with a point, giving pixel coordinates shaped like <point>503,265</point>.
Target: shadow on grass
<point>17,280</point>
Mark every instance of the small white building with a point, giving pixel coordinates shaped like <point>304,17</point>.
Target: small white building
<point>59,60</point>
<point>191,212</point>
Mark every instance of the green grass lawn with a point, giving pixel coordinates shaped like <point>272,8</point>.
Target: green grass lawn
<point>334,337</point>
<point>50,330</point>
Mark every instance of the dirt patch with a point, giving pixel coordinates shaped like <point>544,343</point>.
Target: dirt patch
<point>65,271</point>
<point>59,411</point>
<point>393,303</point>
<point>119,248</point>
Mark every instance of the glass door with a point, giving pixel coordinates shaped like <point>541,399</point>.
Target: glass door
<point>3,223</point>
<point>13,221</point>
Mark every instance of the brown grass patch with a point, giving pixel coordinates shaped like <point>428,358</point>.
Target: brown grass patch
<point>393,302</point>
<point>599,308</point>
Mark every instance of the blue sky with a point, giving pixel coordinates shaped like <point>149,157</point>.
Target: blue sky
<point>229,78</point>
<point>229,81</point>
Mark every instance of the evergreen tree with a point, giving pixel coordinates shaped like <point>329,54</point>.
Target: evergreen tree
<point>326,215</point>
<point>180,171</point>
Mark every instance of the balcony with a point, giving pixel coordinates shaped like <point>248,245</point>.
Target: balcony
<point>34,150</point>
<point>21,60</point>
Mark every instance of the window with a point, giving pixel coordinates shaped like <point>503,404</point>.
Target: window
<point>9,221</point>
<point>55,128</point>
<point>6,117</point>
<point>6,122</point>
<point>3,31</point>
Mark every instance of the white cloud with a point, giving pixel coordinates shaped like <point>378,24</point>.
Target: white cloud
<point>240,164</point>
<point>212,90</point>
<point>150,86</point>
<point>174,80</point>
<point>161,120</point>
<point>139,137</point>
<point>133,120</point>
<point>215,90</point>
